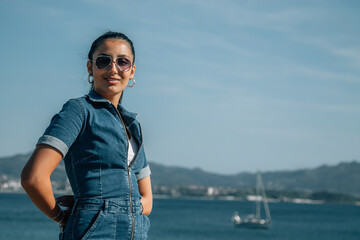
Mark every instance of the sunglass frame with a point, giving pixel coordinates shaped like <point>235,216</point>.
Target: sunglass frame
<point>111,61</point>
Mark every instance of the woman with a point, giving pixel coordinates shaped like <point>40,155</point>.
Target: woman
<point>101,144</point>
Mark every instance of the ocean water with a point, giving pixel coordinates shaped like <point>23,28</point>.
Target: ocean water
<point>175,219</point>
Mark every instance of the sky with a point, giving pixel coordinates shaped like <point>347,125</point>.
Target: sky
<point>225,86</point>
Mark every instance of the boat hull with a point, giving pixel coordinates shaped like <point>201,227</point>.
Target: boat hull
<point>258,224</point>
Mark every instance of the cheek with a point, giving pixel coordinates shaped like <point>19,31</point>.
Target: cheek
<point>99,73</point>
<point>125,75</point>
<point>97,77</point>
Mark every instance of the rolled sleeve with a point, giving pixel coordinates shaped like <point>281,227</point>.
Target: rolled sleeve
<point>54,142</point>
<point>143,173</point>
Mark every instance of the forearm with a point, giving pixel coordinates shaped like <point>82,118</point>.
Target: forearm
<point>147,205</point>
<point>40,192</point>
<point>146,194</point>
<point>35,179</point>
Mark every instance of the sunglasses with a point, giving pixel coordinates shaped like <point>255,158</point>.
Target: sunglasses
<point>103,62</point>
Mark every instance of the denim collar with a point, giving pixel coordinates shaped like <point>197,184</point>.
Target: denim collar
<point>96,97</point>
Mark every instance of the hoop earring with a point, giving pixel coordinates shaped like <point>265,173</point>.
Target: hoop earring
<point>91,82</point>
<point>130,86</point>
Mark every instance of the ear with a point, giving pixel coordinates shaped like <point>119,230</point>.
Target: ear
<point>89,68</point>
<point>132,71</point>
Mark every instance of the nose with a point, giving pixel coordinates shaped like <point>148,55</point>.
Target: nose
<point>113,67</point>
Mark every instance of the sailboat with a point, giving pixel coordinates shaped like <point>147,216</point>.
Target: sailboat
<point>255,220</point>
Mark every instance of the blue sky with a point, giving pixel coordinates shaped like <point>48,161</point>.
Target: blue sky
<point>227,86</point>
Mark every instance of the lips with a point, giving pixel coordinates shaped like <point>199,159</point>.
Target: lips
<point>112,80</point>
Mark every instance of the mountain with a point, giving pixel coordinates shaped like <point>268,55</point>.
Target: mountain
<point>13,165</point>
<point>342,178</point>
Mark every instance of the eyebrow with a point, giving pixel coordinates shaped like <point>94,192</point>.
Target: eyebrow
<point>104,54</point>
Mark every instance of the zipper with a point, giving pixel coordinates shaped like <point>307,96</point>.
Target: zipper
<point>131,206</point>
<point>129,176</point>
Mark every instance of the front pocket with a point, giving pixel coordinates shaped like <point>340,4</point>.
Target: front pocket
<point>85,223</point>
<point>145,226</point>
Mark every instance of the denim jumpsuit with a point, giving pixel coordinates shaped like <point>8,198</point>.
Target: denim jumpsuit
<point>91,135</point>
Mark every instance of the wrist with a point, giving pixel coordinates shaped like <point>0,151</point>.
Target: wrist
<point>59,217</point>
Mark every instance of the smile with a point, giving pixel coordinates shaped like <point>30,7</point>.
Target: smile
<point>112,80</point>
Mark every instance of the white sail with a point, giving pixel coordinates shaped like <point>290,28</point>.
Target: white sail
<point>255,220</point>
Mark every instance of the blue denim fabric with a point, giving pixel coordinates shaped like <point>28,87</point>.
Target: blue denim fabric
<point>89,132</point>
<point>105,219</point>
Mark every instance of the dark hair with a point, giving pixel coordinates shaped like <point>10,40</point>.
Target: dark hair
<point>110,35</point>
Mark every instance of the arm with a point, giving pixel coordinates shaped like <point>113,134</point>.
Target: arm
<point>35,179</point>
<point>146,194</point>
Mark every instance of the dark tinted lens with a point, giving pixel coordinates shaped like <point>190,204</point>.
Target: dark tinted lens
<point>123,63</point>
<point>102,62</point>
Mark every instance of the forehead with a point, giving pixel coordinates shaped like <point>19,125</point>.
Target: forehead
<point>114,47</point>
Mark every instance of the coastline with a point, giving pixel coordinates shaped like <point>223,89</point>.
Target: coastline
<point>246,198</point>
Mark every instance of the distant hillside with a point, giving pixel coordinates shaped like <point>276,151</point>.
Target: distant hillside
<point>341,178</point>
<point>12,167</point>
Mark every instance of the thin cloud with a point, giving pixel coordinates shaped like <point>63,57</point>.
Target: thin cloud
<point>340,108</point>
<point>37,9</point>
<point>273,131</point>
<point>336,47</point>
<point>323,74</point>
<point>352,54</point>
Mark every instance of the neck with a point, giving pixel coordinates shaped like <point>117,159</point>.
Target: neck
<point>114,102</point>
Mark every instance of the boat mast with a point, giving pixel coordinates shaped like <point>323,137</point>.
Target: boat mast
<point>258,196</point>
<point>266,206</point>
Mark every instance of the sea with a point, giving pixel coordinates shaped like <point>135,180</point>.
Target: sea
<point>195,219</point>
